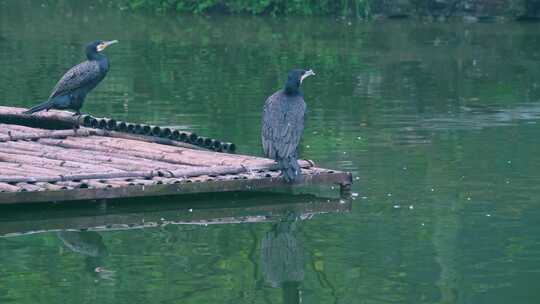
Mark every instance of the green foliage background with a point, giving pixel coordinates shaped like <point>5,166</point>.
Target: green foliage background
<point>359,8</point>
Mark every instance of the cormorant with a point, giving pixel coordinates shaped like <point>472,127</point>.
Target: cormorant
<point>283,124</point>
<point>71,90</point>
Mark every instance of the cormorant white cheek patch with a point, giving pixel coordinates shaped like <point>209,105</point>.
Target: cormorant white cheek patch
<point>306,75</point>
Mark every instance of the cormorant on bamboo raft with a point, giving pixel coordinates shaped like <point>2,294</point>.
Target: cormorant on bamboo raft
<point>71,90</point>
<point>64,164</point>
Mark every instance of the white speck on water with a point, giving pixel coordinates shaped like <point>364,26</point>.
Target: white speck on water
<point>389,194</point>
<point>509,162</point>
<point>162,219</point>
<point>397,206</point>
<point>507,181</point>
<point>423,224</point>
<point>404,167</point>
<point>357,178</point>
<point>432,190</point>
<point>190,210</point>
<point>332,187</point>
<point>344,152</point>
<point>354,194</point>
<point>307,146</point>
<point>359,138</point>
<point>411,207</point>
<point>364,197</point>
<point>488,215</point>
<point>468,198</point>
<point>342,201</point>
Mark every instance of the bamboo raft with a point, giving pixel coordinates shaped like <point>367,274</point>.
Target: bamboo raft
<point>54,156</point>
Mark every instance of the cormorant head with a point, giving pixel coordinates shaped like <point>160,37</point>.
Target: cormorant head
<point>294,80</point>
<point>97,46</point>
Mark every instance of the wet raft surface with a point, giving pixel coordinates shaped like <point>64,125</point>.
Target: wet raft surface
<point>39,165</point>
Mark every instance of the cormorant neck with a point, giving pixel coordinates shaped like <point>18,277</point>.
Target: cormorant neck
<point>93,55</point>
<point>292,87</point>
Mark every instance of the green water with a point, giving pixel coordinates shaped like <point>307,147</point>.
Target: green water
<point>437,122</point>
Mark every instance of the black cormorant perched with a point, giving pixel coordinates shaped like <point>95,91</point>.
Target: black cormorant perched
<point>283,124</point>
<point>71,90</point>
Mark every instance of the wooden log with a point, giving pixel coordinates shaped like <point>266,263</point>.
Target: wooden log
<point>105,160</point>
<point>207,157</point>
<point>29,187</point>
<point>145,138</point>
<point>4,187</point>
<point>7,128</point>
<point>49,186</point>
<point>48,166</point>
<point>97,184</point>
<point>175,155</point>
<point>85,160</point>
<point>67,185</point>
<point>26,169</point>
<point>52,119</point>
<point>44,134</point>
<point>210,171</point>
<point>98,146</point>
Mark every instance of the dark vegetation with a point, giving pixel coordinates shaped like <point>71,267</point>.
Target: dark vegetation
<point>480,9</point>
<point>359,8</point>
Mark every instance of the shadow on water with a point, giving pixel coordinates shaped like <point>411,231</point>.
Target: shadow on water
<point>231,208</point>
<point>282,255</point>
<point>82,229</point>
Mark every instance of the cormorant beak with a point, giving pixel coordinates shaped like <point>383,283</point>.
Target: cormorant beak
<point>306,75</point>
<point>105,44</point>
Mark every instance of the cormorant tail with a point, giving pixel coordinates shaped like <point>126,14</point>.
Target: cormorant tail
<point>40,107</point>
<point>289,168</point>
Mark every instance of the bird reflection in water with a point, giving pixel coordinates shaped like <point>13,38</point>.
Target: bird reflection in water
<point>283,258</point>
<point>90,245</point>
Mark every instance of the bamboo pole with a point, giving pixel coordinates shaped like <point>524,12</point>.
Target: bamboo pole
<point>210,171</point>
<point>44,134</point>
<point>41,163</point>
<point>29,187</point>
<point>186,156</point>
<point>113,160</point>
<point>145,138</point>
<point>5,187</point>
<point>52,119</point>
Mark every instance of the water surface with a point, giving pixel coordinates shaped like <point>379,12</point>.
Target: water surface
<point>437,122</point>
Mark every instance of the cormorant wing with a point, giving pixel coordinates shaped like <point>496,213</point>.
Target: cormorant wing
<point>78,76</point>
<point>283,125</point>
